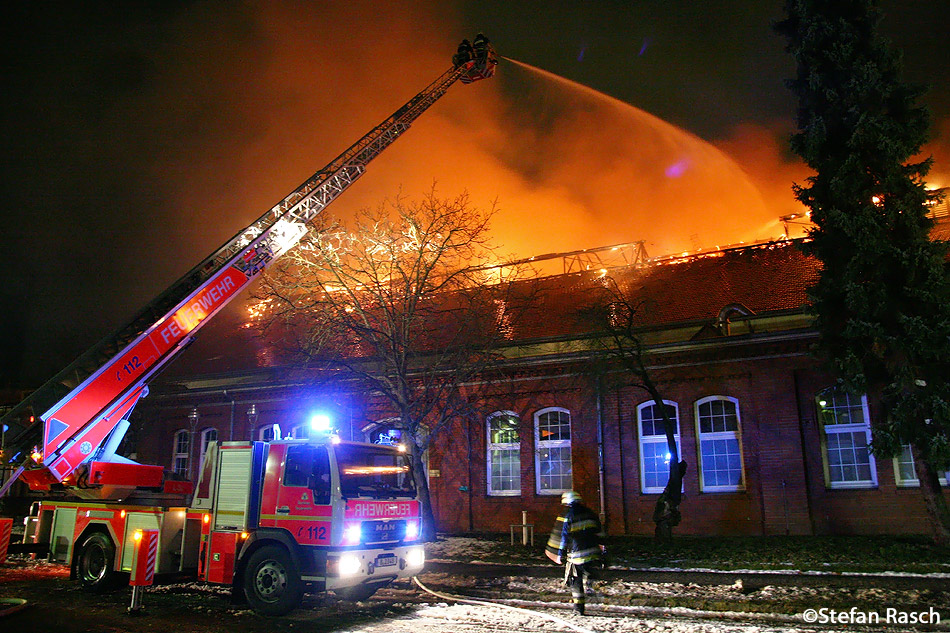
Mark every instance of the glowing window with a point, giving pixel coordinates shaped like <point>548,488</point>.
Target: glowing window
<point>655,453</point>
<point>846,438</point>
<point>552,462</point>
<point>718,433</point>
<point>504,454</point>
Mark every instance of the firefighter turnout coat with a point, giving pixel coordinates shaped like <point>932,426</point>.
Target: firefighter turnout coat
<point>576,537</point>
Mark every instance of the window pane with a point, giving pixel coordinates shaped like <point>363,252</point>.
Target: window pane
<point>555,468</point>
<point>722,463</point>
<point>718,416</point>
<point>554,425</point>
<point>836,406</point>
<point>503,429</point>
<point>849,450</point>
<point>504,454</point>
<point>651,420</point>
<point>505,470</point>
<point>720,451</point>
<point>181,442</point>
<point>656,465</point>
<point>297,467</point>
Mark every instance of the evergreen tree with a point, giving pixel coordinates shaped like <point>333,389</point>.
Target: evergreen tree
<point>882,303</point>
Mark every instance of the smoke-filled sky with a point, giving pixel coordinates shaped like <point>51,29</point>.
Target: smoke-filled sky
<point>140,135</point>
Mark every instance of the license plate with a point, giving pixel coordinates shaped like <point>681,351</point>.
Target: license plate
<point>385,560</point>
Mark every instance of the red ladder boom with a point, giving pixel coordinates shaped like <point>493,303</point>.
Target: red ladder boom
<point>83,404</point>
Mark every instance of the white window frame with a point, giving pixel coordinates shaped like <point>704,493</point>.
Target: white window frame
<point>842,429</point>
<point>266,433</point>
<point>395,422</point>
<point>372,427</point>
<point>719,435</point>
<point>540,445</point>
<point>907,457</point>
<point>205,435</point>
<point>181,456</point>
<point>501,446</point>
<point>655,439</point>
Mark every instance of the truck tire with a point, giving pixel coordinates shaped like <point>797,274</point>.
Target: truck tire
<point>272,584</point>
<point>95,564</point>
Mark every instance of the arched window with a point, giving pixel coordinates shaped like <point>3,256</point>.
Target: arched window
<point>266,433</point>
<point>719,439</point>
<point>182,451</point>
<point>654,450</point>
<point>552,461</point>
<point>387,431</point>
<point>845,437</point>
<point>504,454</point>
<point>207,436</point>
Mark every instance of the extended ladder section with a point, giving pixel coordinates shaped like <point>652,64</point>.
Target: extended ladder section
<point>82,405</point>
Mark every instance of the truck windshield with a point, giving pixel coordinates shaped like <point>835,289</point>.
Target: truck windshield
<point>373,471</point>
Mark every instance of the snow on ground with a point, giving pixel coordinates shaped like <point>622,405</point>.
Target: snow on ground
<point>622,605</point>
<point>621,592</point>
<point>462,618</point>
<point>460,548</point>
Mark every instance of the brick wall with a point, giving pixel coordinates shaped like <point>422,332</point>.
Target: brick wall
<point>774,383</point>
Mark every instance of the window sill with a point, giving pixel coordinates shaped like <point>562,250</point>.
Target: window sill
<point>719,491</point>
<point>854,486</point>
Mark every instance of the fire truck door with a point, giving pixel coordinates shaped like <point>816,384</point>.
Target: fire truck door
<point>61,535</point>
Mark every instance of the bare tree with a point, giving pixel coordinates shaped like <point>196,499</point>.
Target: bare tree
<point>404,303</point>
<point>614,315</point>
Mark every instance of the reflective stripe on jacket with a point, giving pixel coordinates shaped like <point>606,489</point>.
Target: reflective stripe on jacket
<point>576,536</point>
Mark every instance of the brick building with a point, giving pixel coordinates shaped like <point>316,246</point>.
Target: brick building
<point>772,446</point>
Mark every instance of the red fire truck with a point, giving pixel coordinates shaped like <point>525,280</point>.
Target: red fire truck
<point>272,519</point>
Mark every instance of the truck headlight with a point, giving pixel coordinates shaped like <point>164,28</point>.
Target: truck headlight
<point>352,534</point>
<point>416,557</point>
<point>349,565</point>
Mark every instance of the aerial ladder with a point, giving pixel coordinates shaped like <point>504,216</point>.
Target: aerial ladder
<point>66,433</point>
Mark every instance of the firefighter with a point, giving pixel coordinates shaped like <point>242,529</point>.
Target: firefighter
<point>480,47</point>
<point>465,53</point>
<point>577,539</point>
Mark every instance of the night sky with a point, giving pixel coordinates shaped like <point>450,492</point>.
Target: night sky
<point>138,136</point>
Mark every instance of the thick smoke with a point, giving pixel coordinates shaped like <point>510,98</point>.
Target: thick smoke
<point>147,136</point>
<point>570,169</point>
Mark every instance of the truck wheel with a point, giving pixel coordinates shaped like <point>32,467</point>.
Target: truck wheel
<point>359,592</point>
<point>271,582</point>
<point>95,564</point>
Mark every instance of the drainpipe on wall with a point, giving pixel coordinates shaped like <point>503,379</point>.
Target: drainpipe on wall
<point>600,449</point>
<point>468,467</point>
<point>231,422</point>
